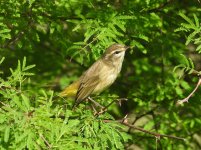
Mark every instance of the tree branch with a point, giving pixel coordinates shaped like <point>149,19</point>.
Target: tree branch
<point>157,135</point>
<point>46,142</point>
<point>140,116</point>
<point>179,102</point>
<point>21,33</point>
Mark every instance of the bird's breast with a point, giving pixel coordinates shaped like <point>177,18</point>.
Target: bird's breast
<point>106,77</point>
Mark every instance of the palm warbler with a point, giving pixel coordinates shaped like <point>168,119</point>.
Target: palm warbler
<point>99,76</point>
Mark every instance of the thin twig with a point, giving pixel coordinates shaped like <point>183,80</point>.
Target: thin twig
<point>156,143</point>
<point>74,61</point>
<point>140,116</point>
<point>179,102</point>
<point>21,33</point>
<point>93,40</point>
<point>157,135</point>
<point>46,142</point>
<point>3,87</point>
<point>83,48</point>
<point>96,103</point>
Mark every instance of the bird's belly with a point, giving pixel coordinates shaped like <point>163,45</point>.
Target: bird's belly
<point>106,81</point>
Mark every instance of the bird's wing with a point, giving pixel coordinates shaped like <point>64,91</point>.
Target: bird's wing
<point>86,88</point>
<point>89,81</point>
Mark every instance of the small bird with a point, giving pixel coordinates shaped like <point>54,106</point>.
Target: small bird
<point>99,76</point>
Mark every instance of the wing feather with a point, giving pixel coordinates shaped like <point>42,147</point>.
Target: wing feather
<point>89,81</point>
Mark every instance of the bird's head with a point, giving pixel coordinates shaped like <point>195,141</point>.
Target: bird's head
<point>115,53</point>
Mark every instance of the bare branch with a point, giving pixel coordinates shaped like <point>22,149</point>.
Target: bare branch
<point>142,115</point>
<point>157,135</point>
<point>179,102</point>
<point>46,142</point>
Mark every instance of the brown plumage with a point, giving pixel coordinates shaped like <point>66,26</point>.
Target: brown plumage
<point>99,76</point>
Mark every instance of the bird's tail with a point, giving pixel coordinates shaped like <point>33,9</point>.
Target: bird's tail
<point>70,91</point>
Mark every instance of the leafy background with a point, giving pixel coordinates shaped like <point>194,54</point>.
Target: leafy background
<point>46,45</point>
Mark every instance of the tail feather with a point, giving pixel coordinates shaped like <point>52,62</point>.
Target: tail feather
<point>70,91</point>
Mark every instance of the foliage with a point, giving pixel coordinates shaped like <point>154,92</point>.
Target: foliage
<point>194,27</point>
<point>33,121</point>
<point>48,44</point>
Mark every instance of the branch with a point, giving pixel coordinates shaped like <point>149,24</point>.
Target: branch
<point>124,121</point>
<point>46,142</point>
<point>140,116</point>
<point>3,87</point>
<point>74,61</point>
<point>21,33</point>
<point>157,135</point>
<point>87,45</point>
<point>16,38</point>
<point>179,102</point>
<point>61,18</point>
<point>195,73</point>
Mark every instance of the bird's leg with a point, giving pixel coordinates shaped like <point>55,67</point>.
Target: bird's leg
<point>95,103</point>
<point>104,109</point>
<point>94,109</point>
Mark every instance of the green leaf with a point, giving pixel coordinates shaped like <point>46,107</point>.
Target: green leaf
<point>147,2</point>
<point>90,33</point>
<point>4,31</point>
<point>18,103</point>
<point>191,63</point>
<point>6,134</point>
<point>149,125</point>
<point>22,136</point>
<point>28,67</point>
<point>2,59</point>
<point>196,21</point>
<point>138,45</point>
<point>179,91</point>
<point>199,48</point>
<point>24,63</point>
<point>26,101</point>
<point>181,29</point>
<point>143,37</point>
<point>188,26</point>
<point>120,25</point>
<point>186,18</point>
<point>191,36</point>
<point>192,123</point>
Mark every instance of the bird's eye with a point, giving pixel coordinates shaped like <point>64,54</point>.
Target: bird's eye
<point>117,52</point>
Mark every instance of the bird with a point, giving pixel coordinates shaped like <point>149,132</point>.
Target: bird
<point>99,76</point>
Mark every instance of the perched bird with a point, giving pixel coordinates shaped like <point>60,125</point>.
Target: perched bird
<point>99,76</point>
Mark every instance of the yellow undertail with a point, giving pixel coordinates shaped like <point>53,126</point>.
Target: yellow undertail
<point>71,90</point>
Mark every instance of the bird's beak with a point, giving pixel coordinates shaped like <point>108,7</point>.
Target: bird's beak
<point>126,47</point>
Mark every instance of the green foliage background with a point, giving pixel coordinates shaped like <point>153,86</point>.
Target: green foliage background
<point>48,44</point>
